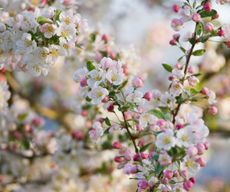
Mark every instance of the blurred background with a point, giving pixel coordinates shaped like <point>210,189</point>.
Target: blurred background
<point>143,27</point>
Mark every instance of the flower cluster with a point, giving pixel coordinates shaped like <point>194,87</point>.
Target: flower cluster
<point>166,129</point>
<point>38,38</point>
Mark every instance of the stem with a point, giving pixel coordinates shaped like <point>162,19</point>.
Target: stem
<point>188,58</point>
<point>130,134</point>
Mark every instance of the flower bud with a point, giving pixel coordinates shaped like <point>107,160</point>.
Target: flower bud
<point>196,17</point>
<point>176,8</point>
<point>116,145</point>
<point>148,96</point>
<point>138,82</point>
<point>209,27</point>
<point>213,110</point>
<point>207,6</point>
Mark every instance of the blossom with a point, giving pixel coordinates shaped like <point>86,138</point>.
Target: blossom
<point>184,137</point>
<point>49,30</point>
<point>96,131</point>
<point>97,94</point>
<point>166,140</point>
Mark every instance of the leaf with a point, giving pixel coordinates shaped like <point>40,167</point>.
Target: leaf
<point>167,67</point>
<point>90,65</point>
<point>25,144</point>
<point>22,117</point>
<point>157,113</point>
<point>107,121</point>
<point>57,15</point>
<point>211,13</point>
<point>199,52</point>
<point>42,20</point>
<point>145,147</point>
<point>92,37</point>
<point>199,28</point>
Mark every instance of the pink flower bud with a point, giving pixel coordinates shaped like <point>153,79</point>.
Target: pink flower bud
<point>138,82</point>
<point>192,151</point>
<point>148,96</point>
<point>193,180</point>
<point>110,108</point>
<point>105,38</point>
<point>116,145</point>
<point>168,174</point>
<point>206,145</point>
<point>196,17</point>
<point>187,185</point>
<point>201,162</point>
<point>84,113</point>
<point>172,42</point>
<point>209,27</point>
<point>201,148</point>
<point>176,8</point>
<point>78,135</point>
<point>105,99</point>
<point>221,32</point>
<point>143,184</point>
<point>207,6</point>
<point>118,159</point>
<point>141,143</point>
<point>83,82</point>
<point>205,91</point>
<point>213,110</point>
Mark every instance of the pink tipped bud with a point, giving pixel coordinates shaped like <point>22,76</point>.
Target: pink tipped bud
<point>141,143</point>
<point>201,148</point>
<point>190,69</point>
<point>117,145</point>
<point>172,42</point>
<point>205,91</point>
<point>148,96</point>
<point>142,184</point>
<point>193,180</point>
<point>192,151</point>
<point>213,110</point>
<point>209,27</point>
<point>196,17</point>
<point>118,159</point>
<point>188,185</point>
<point>110,108</point>
<point>138,82</point>
<point>221,32</point>
<point>83,82</point>
<point>105,38</point>
<point>168,174</point>
<point>201,162</point>
<point>207,6</point>
<point>176,36</point>
<point>176,8</point>
<point>105,100</point>
<point>84,113</point>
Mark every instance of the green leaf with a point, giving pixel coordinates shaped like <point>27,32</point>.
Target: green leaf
<point>90,65</point>
<point>199,52</point>
<point>208,14</point>
<point>145,147</point>
<point>92,37</point>
<point>25,144</point>
<point>57,15</point>
<point>42,20</point>
<point>107,121</point>
<point>157,113</point>
<point>167,67</point>
<point>22,117</point>
<point>199,29</point>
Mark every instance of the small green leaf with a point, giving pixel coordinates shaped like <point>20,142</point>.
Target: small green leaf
<point>199,28</point>
<point>57,15</point>
<point>107,121</point>
<point>22,117</point>
<point>199,52</point>
<point>145,147</point>
<point>42,20</point>
<point>167,67</point>
<point>90,65</point>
